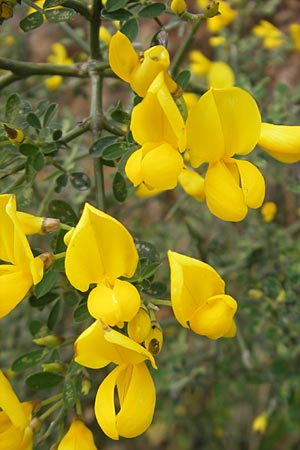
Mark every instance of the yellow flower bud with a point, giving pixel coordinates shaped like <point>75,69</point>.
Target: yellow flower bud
<point>139,327</point>
<point>55,367</point>
<point>154,340</point>
<point>49,341</point>
<point>14,134</point>
<point>260,423</point>
<point>178,6</point>
<point>86,386</point>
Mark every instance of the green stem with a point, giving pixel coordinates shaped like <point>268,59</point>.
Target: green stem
<point>49,400</point>
<point>59,255</point>
<point>161,302</point>
<point>75,132</point>
<point>177,60</point>
<point>51,410</point>
<point>14,184</point>
<point>64,226</point>
<point>8,79</point>
<point>74,36</point>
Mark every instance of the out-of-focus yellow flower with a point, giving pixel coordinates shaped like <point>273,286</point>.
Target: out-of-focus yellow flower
<point>229,122</point>
<point>192,183</point>
<point>260,423</point>
<point>9,40</point>
<point>78,437</point>
<point>59,56</point>
<point>100,250</point>
<point>15,418</point>
<point>178,6</point>
<point>226,16</point>
<point>104,35</point>
<point>218,74</point>
<point>216,41</point>
<point>21,270</point>
<point>157,125</point>
<point>268,211</point>
<point>282,142</point>
<point>295,35</point>
<point>198,298</point>
<point>139,71</point>
<point>271,35</point>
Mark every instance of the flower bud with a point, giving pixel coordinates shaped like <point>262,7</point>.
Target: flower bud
<point>48,259</point>
<point>86,386</point>
<point>49,341</point>
<point>139,327</point>
<point>178,6</point>
<point>55,367</point>
<point>14,134</point>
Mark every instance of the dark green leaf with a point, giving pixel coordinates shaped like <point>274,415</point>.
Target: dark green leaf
<point>147,251</point>
<point>115,151</point>
<point>28,149</point>
<point>51,147</point>
<point>156,289</point>
<point>120,14</point>
<point>46,284</point>
<point>119,187</point>
<point>52,3</point>
<point>59,14</point>
<point>69,394</point>
<point>57,134</point>
<point>150,270</point>
<point>41,302</point>
<point>12,107</point>
<point>29,360</point>
<point>151,11</point>
<point>81,313</point>
<point>80,181</point>
<point>130,28</point>
<point>49,114</point>
<point>121,116</point>
<point>59,209</point>
<point>70,298</point>
<point>98,146</point>
<point>183,79</point>
<point>54,315</point>
<point>38,161</point>
<point>36,327</point>
<point>32,21</point>
<point>34,121</point>
<point>61,182</point>
<point>113,5</point>
<point>43,380</point>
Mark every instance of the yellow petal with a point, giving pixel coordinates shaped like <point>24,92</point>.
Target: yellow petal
<point>15,284</point>
<point>133,168</point>
<point>30,224</point>
<point>214,318</point>
<point>252,183</point>
<point>139,327</point>
<point>220,75</point>
<point>78,437</point>
<point>231,332</point>
<point>192,183</point>
<point>122,56</point>
<point>282,142</point>
<point>10,404</point>
<point>113,305</point>
<point>192,283</point>
<point>224,197</point>
<point>100,247</point>
<point>162,166</point>
<point>137,402</point>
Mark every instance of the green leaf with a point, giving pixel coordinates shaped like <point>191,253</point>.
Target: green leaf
<point>50,113</point>
<point>147,251</point>
<point>80,181</point>
<point>38,161</point>
<point>58,209</point>
<point>69,393</point>
<point>59,14</point>
<point>152,11</point>
<point>121,116</point>
<point>115,151</point>
<point>34,121</point>
<point>156,289</point>
<point>29,149</point>
<point>130,29</point>
<point>81,313</point>
<point>183,79</point>
<point>46,284</point>
<point>12,107</point>
<point>113,5</point>
<point>61,182</point>
<point>119,187</point>
<point>29,360</point>
<point>32,21</point>
<point>150,270</point>
<point>52,3</point>
<point>38,329</point>
<point>57,134</point>
<point>97,148</point>
<point>43,380</point>
<point>41,302</point>
<point>120,14</point>
<point>54,315</point>
<point>48,148</point>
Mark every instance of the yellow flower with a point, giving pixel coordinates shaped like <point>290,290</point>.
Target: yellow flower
<point>282,142</point>
<point>139,72</point>
<point>199,62</point>
<point>198,298</point>
<point>15,418</point>
<point>295,35</point>
<point>100,250</point>
<point>22,270</point>
<point>157,125</point>
<point>226,16</point>
<point>271,35</point>
<point>260,423</point>
<point>78,437</point>
<point>139,327</point>
<point>59,56</point>
<point>96,347</point>
<point>190,100</point>
<point>104,35</point>
<point>178,6</point>
<point>192,183</point>
<point>216,41</point>
<point>268,211</point>
<point>218,73</point>
<point>225,122</point>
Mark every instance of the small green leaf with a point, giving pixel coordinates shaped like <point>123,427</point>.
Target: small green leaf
<point>61,182</point>
<point>147,251</point>
<point>69,393</point>
<point>57,134</point>
<point>52,3</point>
<point>80,181</point>
<point>150,270</point>
<point>121,116</point>
<point>32,21</point>
<point>29,149</point>
<point>97,148</point>
<point>54,315</point>
<point>38,329</point>
<point>42,301</point>
<point>120,14</point>
<point>119,187</point>
<point>59,15</point>
<point>38,161</point>
<point>48,148</point>
<point>183,79</point>
<point>81,313</point>
<point>152,11</point>
<point>58,209</point>
<point>46,284</point>
<point>156,289</point>
<point>113,5</point>
<point>43,380</point>
<point>12,107</point>
<point>34,121</point>
<point>49,114</point>
<point>29,360</point>
<point>115,151</point>
<point>130,29</point>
